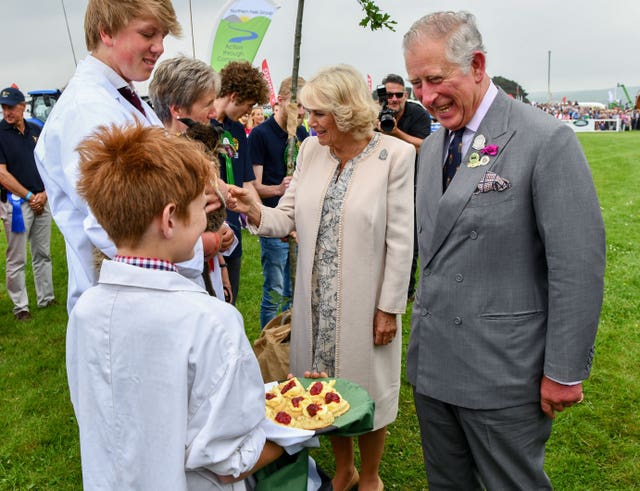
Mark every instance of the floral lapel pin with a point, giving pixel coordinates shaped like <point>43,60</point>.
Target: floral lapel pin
<point>482,157</point>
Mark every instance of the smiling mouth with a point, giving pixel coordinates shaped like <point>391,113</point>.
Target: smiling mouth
<point>442,109</point>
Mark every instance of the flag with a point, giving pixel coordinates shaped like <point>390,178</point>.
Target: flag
<point>242,26</point>
<point>369,82</point>
<point>267,76</point>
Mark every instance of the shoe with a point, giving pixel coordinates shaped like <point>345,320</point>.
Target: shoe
<point>23,315</point>
<point>51,302</point>
<point>355,478</point>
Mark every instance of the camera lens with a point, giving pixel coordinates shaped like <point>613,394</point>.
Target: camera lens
<point>387,122</point>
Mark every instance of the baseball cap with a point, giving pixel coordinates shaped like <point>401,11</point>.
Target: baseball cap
<point>11,96</point>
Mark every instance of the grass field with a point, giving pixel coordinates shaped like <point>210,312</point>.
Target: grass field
<point>594,446</point>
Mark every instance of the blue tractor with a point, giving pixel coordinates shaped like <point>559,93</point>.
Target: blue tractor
<point>41,104</point>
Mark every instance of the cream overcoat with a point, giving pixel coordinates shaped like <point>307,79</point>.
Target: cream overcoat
<point>376,234</point>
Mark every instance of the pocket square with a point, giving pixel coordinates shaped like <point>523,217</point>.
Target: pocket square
<point>492,182</point>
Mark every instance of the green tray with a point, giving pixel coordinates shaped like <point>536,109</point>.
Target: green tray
<point>358,419</point>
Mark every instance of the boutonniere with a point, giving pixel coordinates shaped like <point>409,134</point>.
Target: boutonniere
<point>475,160</point>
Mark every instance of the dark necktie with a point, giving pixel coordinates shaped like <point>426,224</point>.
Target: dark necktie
<point>454,157</point>
<point>132,97</point>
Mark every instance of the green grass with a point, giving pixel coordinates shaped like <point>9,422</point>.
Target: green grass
<point>594,446</point>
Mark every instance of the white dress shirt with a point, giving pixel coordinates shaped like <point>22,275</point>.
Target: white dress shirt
<point>164,383</point>
<point>91,99</point>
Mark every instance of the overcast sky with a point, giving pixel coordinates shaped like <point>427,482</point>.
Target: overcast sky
<point>593,43</point>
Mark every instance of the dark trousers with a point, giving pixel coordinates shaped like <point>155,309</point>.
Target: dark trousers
<point>470,449</point>
<point>233,268</point>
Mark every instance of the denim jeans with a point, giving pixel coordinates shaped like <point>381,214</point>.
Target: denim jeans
<point>276,289</point>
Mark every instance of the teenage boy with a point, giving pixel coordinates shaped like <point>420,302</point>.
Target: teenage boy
<point>164,383</point>
<point>125,39</point>
<point>242,86</point>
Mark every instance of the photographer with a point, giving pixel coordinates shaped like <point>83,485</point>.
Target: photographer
<point>411,123</point>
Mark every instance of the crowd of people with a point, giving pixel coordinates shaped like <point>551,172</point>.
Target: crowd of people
<point>151,200</point>
<point>568,111</point>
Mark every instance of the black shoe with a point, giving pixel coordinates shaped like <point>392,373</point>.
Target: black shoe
<point>51,302</point>
<point>23,315</point>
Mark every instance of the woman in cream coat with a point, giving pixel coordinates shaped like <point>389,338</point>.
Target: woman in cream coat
<point>350,202</point>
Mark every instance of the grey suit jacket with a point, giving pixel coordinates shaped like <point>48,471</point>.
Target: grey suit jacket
<point>511,281</point>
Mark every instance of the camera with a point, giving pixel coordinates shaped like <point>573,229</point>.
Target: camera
<point>386,115</point>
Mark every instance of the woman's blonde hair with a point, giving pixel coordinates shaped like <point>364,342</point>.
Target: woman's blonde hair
<point>342,91</point>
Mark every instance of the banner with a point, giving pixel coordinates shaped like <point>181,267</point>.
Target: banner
<point>240,31</point>
<point>267,76</point>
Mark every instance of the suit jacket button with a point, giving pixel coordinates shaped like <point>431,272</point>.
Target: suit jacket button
<point>457,321</point>
<point>427,272</point>
<point>424,312</point>
<point>473,235</point>
<point>459,278</point>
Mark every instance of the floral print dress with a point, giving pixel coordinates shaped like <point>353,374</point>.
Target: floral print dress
<point>325,276</point>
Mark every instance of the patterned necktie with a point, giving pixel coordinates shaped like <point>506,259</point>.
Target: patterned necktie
<point>454,157</point>
<point>132,97</point>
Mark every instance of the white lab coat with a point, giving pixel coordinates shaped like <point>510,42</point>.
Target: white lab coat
<point>164,383</point>
<point>91,99</point>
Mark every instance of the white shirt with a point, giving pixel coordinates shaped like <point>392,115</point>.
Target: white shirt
<point>164,383</point>
<point>91,99</point>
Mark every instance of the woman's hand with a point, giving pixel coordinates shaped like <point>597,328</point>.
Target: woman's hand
<point>384,327</point>
<point>240,199</point>
<point>310,374</point>
<point>245,200</point>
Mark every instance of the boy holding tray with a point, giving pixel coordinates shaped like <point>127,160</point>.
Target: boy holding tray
<point>164,383</point>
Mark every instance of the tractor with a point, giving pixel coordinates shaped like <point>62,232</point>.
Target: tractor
<point>40,105</point>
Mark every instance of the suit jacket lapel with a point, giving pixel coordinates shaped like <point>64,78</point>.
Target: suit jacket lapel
<point>450,204</point>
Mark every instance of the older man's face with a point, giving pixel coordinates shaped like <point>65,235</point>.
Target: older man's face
<point>449,94</point>
<point>13,114</point>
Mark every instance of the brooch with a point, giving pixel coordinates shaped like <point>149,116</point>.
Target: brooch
<point>475,160</point>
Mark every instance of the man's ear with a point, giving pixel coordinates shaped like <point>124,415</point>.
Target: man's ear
<point>167,221</point>
<point>106,38</point>
<point>478,66</point>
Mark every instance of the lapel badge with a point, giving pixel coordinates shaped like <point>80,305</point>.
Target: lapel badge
<point>383,154</point>
<point>478,142</point>
<point>476,161</point>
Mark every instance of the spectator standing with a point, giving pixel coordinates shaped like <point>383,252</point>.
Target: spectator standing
<point>268,150</point>
<point>242,86</point>
<point>27,216</point>
<point>413,125</point>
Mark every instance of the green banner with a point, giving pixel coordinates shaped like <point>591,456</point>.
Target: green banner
<point>241,30</point>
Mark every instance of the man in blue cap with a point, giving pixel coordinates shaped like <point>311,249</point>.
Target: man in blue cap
<point>26,211</point>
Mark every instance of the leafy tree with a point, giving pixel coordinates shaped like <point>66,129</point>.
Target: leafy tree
<point>375,19</point>
<point>512,88</point>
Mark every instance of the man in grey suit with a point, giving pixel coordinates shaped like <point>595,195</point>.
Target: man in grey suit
<point>512,253</point>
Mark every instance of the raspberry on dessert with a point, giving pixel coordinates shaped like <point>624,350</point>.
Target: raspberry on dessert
<point>289,386</point>
<point>269,396</point>
<point>316,389</point>
<point>283,418</point>
<point>296,401</point>
<point>331,397</point>
<point>313,409</point>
